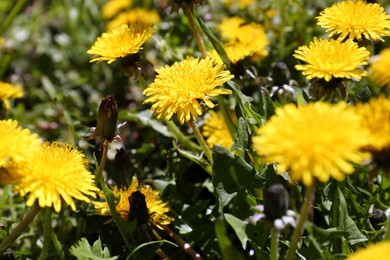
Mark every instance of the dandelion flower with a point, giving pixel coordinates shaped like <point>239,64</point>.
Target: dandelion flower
<point>156,209</point>
<point>317,141</point>
<point>179,89</point>
<point>329,59</point>
<point>120,42</point>
<point>235,51</point>
<point>113,7</point>
<point>8,91</point>
<point>216,131</point>
<point>136,15</point>
<point>379,73</point>
<point>355,20</point>
<point>16,143</point>
<point>372,252</point>
<point>230,27</point>
<point>55,171</point>
<point>376,120</point>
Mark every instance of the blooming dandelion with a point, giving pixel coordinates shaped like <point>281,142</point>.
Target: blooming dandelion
<point>157,210</point>
<point>378,73</point>
<point>9,91</point>
<point>216,131</point>
<point>372,252</point>
<point>120,42</point>
<point>329,59</point>
<point>54,174</point>
<point>136,15</point>
<point>355,20</point>
<point>113,7</point>
<point>317,141</point>
<point>235,51</point>
<point>181,88</point>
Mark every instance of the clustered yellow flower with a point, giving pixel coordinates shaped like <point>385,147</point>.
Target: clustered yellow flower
<point>379,73</point>
<point>355,20</point>
<point>120,42</point>
<point>372,252</point>
<point>181,88</point>
<point>327,59</point>
<point>134,16</point>
<point>113,7</point>
<point>216,130</point>
<point>316,141</point>
<point>9,91</point>
<point>157,209</point>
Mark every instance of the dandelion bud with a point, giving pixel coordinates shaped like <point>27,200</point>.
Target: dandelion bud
<point>280,74</point>
<point>275,202</point>
<point>138,208</point>
<point>377,219</point>
<point>107,118</point>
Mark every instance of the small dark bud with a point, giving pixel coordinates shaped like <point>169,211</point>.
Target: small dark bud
<point>280,74</point>
<point>275,202</point>
<point>138,209</point>
<point>107,118</point>
<point>377,219</point>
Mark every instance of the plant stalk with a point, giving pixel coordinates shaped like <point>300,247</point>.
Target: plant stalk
<point>201,141</point>
<point>190,17</point>
<point>274,244</point>
<point>102,162</point>
<point>46,237</point>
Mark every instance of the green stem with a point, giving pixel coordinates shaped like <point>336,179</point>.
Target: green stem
<point>228,120</point>
<point>14,12</point>
<point>57,244</point>
<point>141,78</point>
<point>301,223</point>
<point>15,233</point>
<point>201,141</point>
<point>46,237</point>
<point>387,236</point>
<point>181,138</point>
<point>190,17</point>
<point>274,243</point>
<point>282,36</point>
<point>102,162</point>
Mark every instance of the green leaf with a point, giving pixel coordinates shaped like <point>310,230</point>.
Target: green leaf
<point>362,95</point>
<point>229,252</point>
<point>148,244</point>
<point>239,227</point>
<point>242,139</point>
<point>196,159</point>
<point>216,44</point>
<point>83,250</point>
<point>268,105</point>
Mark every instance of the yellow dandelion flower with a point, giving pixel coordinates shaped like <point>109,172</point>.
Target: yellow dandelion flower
<point>372,252</point>
<point>216,131</point>
<point>235,51</point>
<point>317,141</point>
<point>136,15</point>
<point>157,210</point>
<point>329,59</point>
<point>56,172</point>
<point>8,91</point>
<point>120,42</point>
<point>2,41</point>
<point>16,143</point>
<point>179,89</point>
<point>379,73</point>
<point>113,7</point>
<point>376,120</point>
<point>229,28</point>
<point>355,19</point>
<point>242,4</point>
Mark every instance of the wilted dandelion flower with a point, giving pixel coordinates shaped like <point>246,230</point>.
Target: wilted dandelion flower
<point>181,88</point>
<point>329,59</point>
<point>372,252</point>
<point>157,210</point>
<point>216,131</point>
<point>136,15</point>
<point>56,172</point>
<point>379,73</point>
<point>120,42</point>
<point>317,141</point>
<point>113,7</point>
<point>355,20</point>
<point>8,91</point>
<point>16,143</point>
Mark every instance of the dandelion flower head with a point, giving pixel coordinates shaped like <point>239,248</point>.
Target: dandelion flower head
<point>376,120</point>
<point>8,91</point>
<point>56,172</point>
<point>355,20</point>
<point>157,209</point>
<point>16,143</point>
<point>329,59</point>
<point>216,131</point>
<point>113,7</point>
<point>379,73</point>
<point>136,15</point>
<point>120,42</point>
<point>181,88</point>
<point>317,141</point>
<point>235,51</point>
<point>372,252</point>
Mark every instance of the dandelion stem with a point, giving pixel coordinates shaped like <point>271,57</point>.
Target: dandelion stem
<point>102,162</point>
<point>15,233</point>
<point>56,244</point>
<point>14,12</point>
<point>274,243</point>
<point>202,142</point>
<point>387,236</point>
<point>185,246</point>
<point>46,237</point>
<point>190,17</point>
<point>181,138</point>
<point>282,36</point>
<point>301,223</point>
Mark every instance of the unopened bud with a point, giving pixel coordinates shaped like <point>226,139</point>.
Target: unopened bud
<point>377,219</point>
<point>275,202</point>
<point>138,208</point>
<point>107,118</point>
